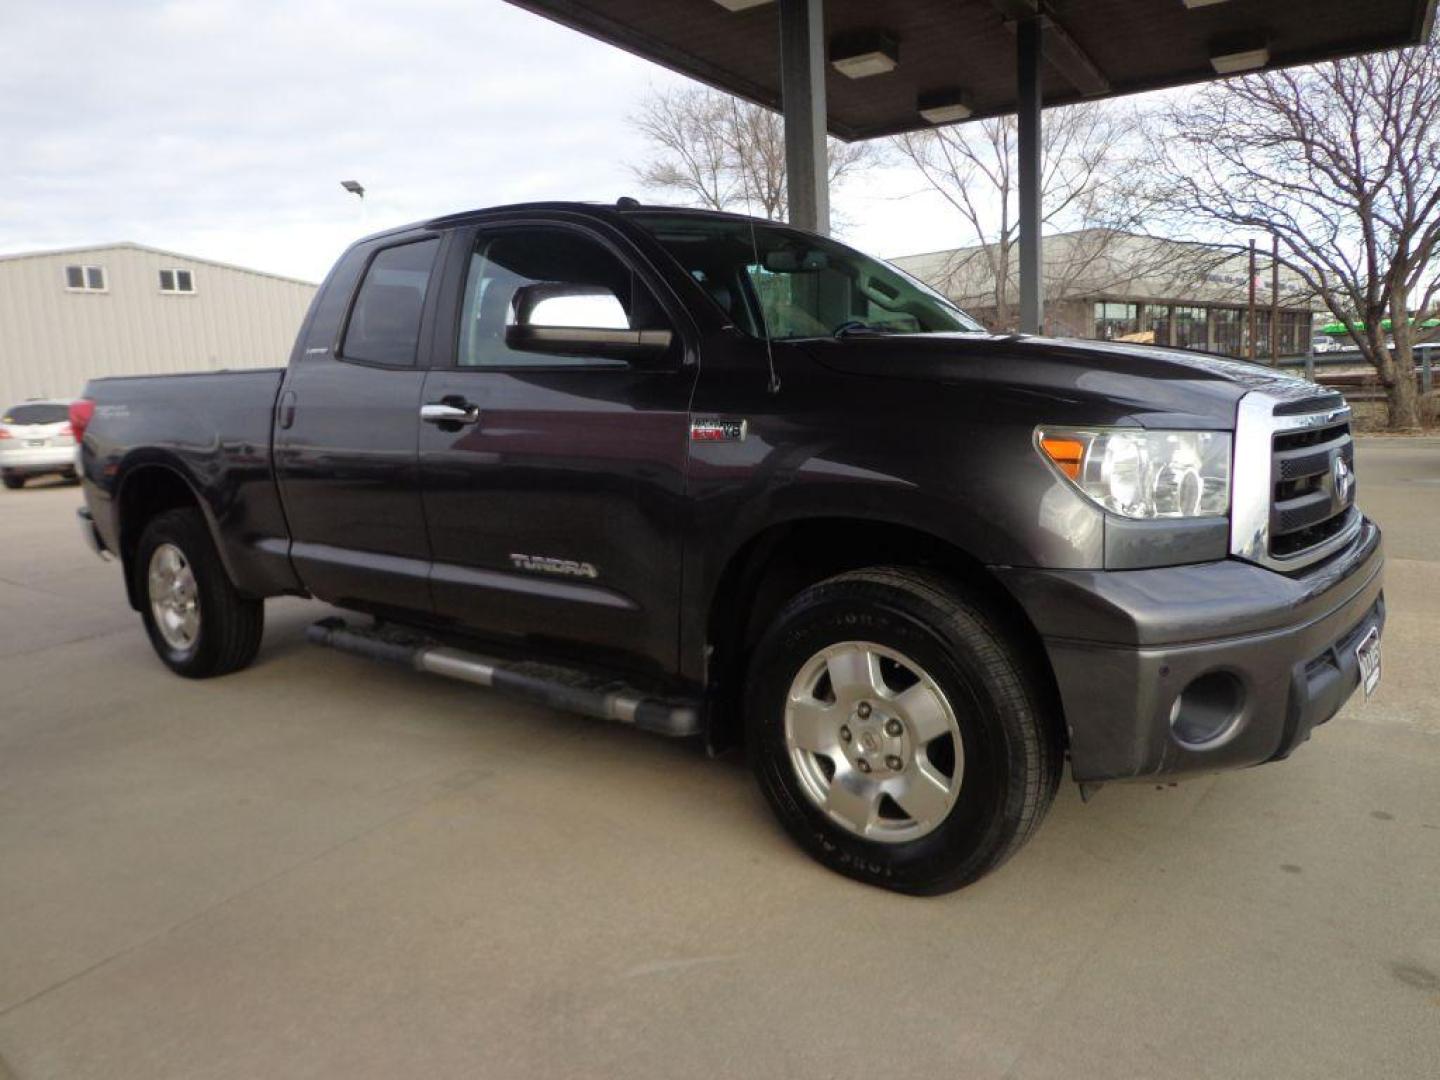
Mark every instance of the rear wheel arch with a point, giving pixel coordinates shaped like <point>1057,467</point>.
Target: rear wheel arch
<point>775,565</point>
<point>146,491</point>
<point>198,623</point>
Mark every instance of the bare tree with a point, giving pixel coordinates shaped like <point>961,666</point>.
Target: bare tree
<point>1085,152</point>
<point>1341,161</point>
<point>712,150</point>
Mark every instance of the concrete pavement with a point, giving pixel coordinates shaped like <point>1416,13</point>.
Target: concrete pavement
<point>321,867</point>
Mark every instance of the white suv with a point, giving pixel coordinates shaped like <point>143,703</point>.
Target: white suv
<point>36,440</point>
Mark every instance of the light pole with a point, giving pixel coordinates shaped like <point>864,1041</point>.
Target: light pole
<point>358,190</point>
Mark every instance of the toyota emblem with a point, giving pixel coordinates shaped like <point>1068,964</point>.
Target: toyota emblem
<point>1344,478</point>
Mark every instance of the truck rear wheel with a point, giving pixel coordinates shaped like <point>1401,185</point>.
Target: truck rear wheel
<point>13,481</point>
<point>198,623</point>
<point>897,732</point>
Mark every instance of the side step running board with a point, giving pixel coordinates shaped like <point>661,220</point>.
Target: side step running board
<point>543,684</point>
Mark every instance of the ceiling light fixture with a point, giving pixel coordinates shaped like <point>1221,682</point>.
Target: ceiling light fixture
<point>863,54</point>
<point>945,106</point>
<point>1244,60</point>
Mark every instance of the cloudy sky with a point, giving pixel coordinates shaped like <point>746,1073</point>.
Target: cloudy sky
<point>221,128</point>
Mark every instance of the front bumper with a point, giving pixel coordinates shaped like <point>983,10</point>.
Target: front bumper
<point>1125,645</point>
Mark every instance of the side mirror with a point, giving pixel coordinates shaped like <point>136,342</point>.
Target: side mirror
<point>569,319</point>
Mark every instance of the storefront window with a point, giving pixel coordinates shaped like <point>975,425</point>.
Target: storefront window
<point>1262,334</point>
<point>1155,320</point>
<point>1115,321</point>
<point>1229,332</point>
<point>1190,328</point>
<point>1294,332</point>
<point>1223,330</point>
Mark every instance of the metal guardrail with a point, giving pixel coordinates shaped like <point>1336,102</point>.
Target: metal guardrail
<point>1363,385</point>
<point>1429,350</point>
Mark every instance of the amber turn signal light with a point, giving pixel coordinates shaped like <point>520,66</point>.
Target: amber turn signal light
<point>1066,453</point>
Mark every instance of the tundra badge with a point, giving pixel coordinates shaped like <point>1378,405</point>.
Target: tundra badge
<point>547,565</point>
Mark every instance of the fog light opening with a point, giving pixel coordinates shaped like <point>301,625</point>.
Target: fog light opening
<point>1207,711</point>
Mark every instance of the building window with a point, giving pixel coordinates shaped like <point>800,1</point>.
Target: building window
<point>1154,325</point>
<point>85,278</point>
<point>1262,334</point>
<point>1114,321</point>
<point>1294,332</point>
<point>177,281</point>
<point>1229,331</point>
<point>1190,328</point>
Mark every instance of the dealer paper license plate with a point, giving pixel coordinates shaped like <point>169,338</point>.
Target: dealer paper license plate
<point>1368,653</point>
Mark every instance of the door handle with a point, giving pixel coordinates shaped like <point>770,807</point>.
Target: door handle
<point>442,412</point>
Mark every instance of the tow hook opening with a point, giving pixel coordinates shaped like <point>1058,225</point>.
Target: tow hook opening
<point>1207,712</point>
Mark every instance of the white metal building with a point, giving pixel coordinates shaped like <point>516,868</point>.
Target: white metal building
<point>124,309</point>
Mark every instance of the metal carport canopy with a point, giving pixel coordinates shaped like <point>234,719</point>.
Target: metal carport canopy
<point>971,52</point>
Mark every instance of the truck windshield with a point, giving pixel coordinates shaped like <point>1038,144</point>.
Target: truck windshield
<point>789,284</point>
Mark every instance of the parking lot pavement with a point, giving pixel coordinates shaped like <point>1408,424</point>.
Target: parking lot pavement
<point>324,867</point>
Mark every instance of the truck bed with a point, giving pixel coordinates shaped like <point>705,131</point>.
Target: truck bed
<point>210,430</point>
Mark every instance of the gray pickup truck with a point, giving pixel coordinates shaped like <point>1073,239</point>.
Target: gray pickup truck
<point>721,478</point>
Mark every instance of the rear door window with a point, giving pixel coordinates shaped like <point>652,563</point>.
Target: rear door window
<point>384,323</point>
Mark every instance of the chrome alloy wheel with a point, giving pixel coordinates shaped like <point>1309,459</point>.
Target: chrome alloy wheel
<point>874,741</point>
<point>174,597</point>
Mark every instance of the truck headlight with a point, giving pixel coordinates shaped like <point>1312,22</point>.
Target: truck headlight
<point>1144,474</point>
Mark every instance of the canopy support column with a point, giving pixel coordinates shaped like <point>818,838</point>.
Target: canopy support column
<point>802,92</point>
<point>1029,104</point>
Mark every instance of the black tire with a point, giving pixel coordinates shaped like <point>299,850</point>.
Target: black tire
<point>1009,727</point>
<point>13,481</point>
<point>230,625</point>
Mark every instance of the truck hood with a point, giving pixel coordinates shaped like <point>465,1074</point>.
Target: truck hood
<point>1108,381</point>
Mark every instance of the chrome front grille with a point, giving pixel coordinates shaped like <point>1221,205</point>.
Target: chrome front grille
<point>1294,491</point>
<point>1308,504</point>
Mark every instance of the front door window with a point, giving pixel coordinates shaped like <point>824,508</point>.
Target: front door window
<point>545,277</point>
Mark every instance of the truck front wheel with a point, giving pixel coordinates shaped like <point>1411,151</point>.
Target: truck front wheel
<point>198,623</point>
<point>898,733</point>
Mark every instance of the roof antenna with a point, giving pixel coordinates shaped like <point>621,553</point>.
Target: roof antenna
<point>773,386</point>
